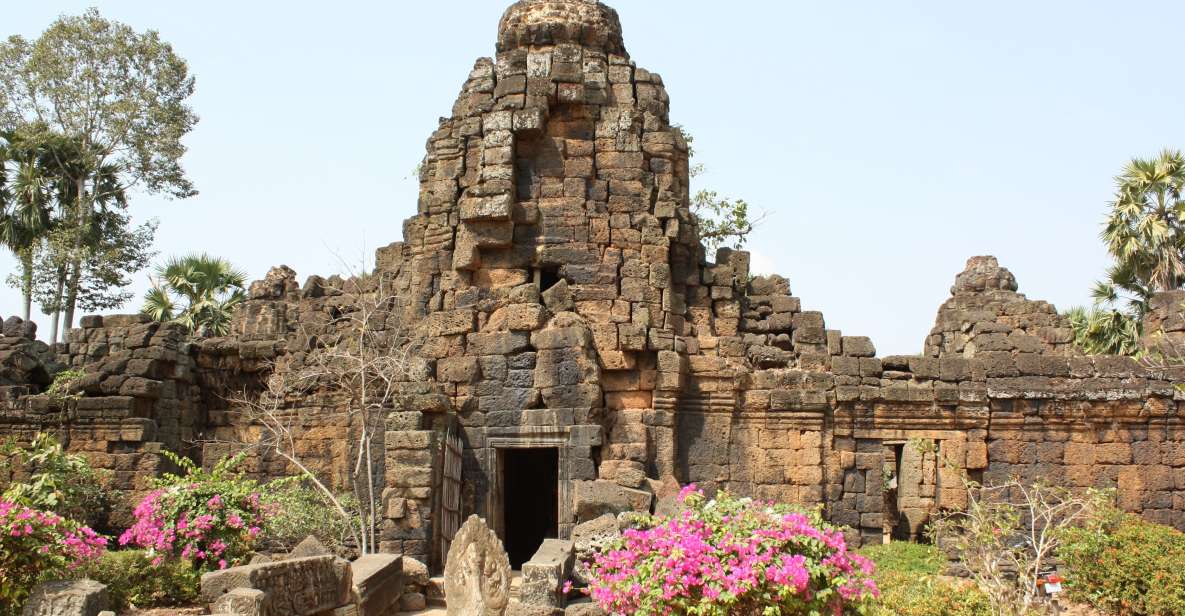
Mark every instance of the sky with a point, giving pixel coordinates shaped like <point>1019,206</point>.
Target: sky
<point>886,142</point>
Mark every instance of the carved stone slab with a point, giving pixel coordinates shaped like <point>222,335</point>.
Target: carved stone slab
<point>299,587</point>
<point>477,575</point>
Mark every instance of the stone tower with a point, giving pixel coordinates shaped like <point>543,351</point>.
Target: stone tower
<point>552,253</point>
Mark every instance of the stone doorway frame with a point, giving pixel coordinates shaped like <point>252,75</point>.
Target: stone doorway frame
<point>496,445</point>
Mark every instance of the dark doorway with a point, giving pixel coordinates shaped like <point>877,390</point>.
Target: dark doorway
<point>530,500</point>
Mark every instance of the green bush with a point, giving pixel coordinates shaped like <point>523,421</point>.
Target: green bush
<point>1126,565</point>
<point>61,482</point>
<point>911,584</point>
<point>300,511</point>
<point>134,581</point>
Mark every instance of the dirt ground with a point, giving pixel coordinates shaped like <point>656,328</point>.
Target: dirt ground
<point>196,611</point>
<point>165,611</point>
<point>1080,610</point>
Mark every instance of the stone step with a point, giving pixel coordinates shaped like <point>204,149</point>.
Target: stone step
<point>434,591</point>
<point>516,585</point>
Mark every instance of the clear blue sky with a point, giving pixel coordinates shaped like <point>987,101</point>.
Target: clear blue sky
<point>888,141</point>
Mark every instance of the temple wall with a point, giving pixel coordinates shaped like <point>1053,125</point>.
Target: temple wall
<point>556,294</point>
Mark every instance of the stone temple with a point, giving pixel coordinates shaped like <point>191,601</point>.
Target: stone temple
<point>580,353</point>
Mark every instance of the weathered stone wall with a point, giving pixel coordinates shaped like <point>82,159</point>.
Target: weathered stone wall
<point>135,395</point>
<point>1000,393</point>
<point>553,280</point>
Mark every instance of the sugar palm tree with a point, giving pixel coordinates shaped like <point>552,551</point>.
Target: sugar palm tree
<point>27,189</point>
<point>197,290</point>
<point>1146,229</point>
<point>1145,233</point>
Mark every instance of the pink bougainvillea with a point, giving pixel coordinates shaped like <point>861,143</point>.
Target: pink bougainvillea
<point>36,543</point>
<point>727,556</point>
<point>211,519</point>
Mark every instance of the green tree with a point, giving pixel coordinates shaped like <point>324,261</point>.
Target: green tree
<point>113,250</point>
<point>26,202</point>
<point>1145,234</point>
<point>1145,231</point>
<point>199,291</point>
<point>120,95</point>
<point>720,221</point>
<point>107,247</point>
<point>57,481</point>
<point>1102,331</point>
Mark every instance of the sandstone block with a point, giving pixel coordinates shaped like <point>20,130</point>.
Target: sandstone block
<point>377,583</point>
<point>596,498</point>
<point>545,573</point>
<point>300,587</point>
<point>477,574</point>
<point>858,346</point>
<point>240,602</point>
<point>67,598</point>
<point>457,369</point>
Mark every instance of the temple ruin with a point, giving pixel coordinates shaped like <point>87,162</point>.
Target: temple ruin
<point>578,352</point>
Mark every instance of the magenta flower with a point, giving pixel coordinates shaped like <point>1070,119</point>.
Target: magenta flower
<point>733,555</point>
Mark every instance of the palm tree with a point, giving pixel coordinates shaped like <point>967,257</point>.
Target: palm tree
<point>27,190</point>
<point>1145,233</point>
<point>1099,331</point>
<point>209,287</point>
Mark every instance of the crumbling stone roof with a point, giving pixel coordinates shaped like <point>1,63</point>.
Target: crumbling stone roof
<point>553,22</point>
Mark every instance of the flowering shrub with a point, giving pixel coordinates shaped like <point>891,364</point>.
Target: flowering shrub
<point>210,518</point>
<point>728,556</point>
<point>35,543</point>
<point>1125,565</point>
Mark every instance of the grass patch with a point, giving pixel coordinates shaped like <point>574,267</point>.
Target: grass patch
<point>911,582</point>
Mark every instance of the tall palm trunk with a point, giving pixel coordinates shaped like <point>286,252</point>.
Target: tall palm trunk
<point>72,294</point>
<point>57,307</point>
<point>76,257</point>
<point>27,282</point>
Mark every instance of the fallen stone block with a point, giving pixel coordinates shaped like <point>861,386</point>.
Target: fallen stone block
<point>544,575</point>
<point>412,602</point>
<point>240,601</point>
<point>67,598</point>
<point>296,587</point>
<point>583,607</point>
<point>590,538</point>
<point>378,583</point>
<point>309,547</point>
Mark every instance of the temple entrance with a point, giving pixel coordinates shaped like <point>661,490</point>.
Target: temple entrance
<point>530,500</point>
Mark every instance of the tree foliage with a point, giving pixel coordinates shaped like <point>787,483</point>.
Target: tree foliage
<point>1145,231</point>
<point>118,99</point>
<point>198,291</point>
<point>26,204</point>
<point>720,221</point>
<point>57,481</point>
<point>1101,331</point>
<point>64,256</point>
<point>1145,234</point>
